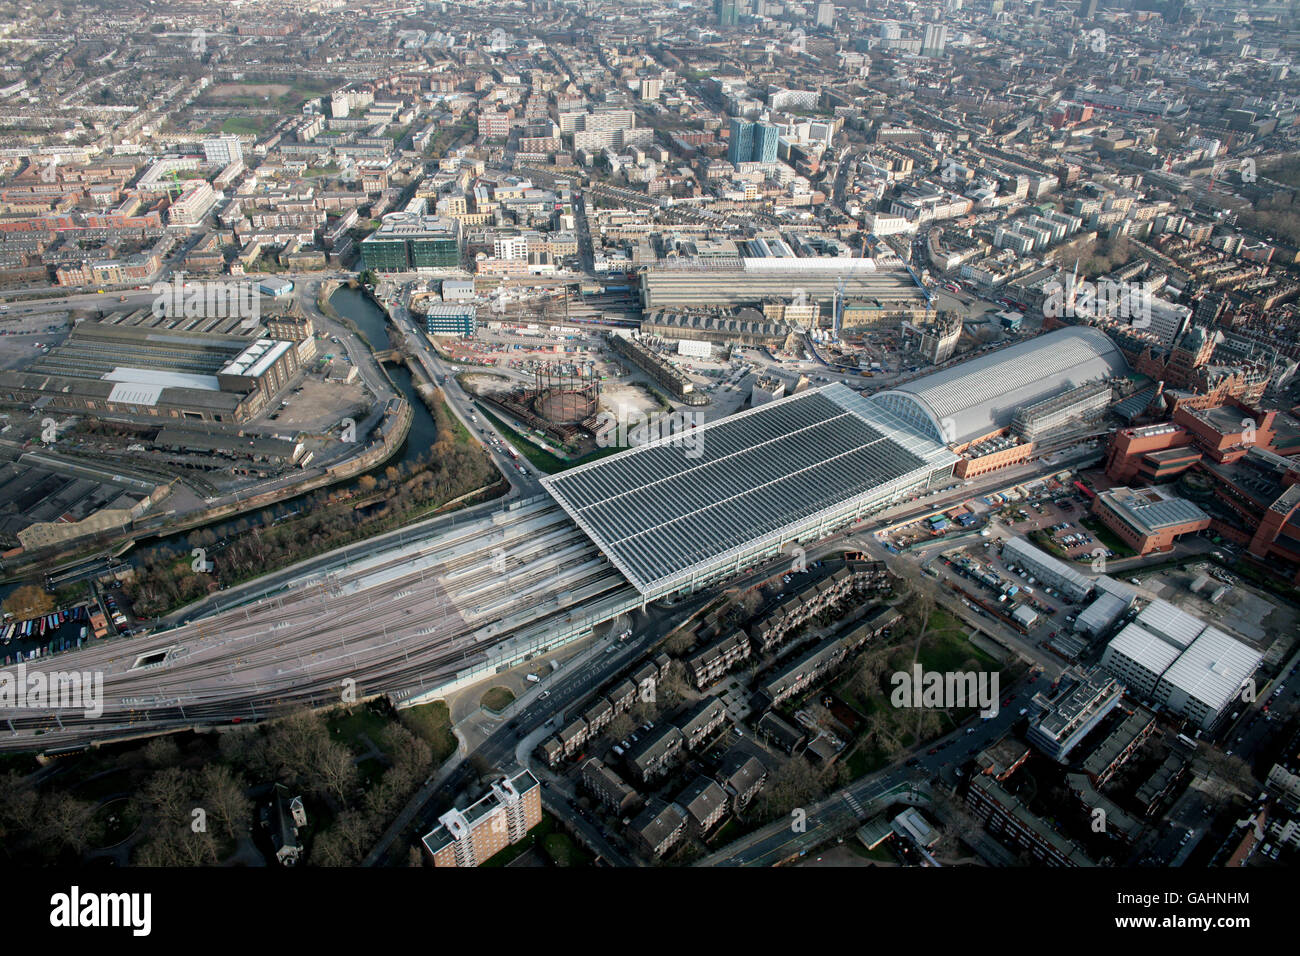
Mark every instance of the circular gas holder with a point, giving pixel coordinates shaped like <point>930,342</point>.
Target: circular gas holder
<point>566,406</point>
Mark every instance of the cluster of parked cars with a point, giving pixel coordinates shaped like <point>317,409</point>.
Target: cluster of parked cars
<point>625,745</point>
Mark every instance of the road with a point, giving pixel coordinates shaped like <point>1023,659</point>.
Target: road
<point>849,807</point>
<point>523,478</point>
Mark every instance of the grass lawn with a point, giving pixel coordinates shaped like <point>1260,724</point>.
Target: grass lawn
<point>1107,537</point>
<point>537,834</point>
<point>496,699</point>
<point>119,818</point>
<point>733,829</point>
<point>432,723</point>
<point>460,433</point>
<point>244,125</point>
<point>348,726</point>
<point>945,649</point>
<point>371,771</point>
<point>880,854</point>
<point>564,852</point>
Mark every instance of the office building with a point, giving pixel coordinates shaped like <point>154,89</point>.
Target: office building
<point>752,142</point>
<point>448,319</point>
<point>223,150</point>
<point>406,242</point>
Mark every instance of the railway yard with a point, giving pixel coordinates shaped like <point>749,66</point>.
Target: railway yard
<point>401,621</point>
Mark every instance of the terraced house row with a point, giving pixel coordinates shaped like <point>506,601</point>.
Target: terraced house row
<point>618,698</point>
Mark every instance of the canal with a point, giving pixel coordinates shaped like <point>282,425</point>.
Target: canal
<point>371,322</point>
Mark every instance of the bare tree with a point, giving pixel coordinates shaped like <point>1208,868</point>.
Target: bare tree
<point>336,771</point>
<point>67,822</point>
<point>162,752</point>
<point>223,792</point>
<point>794,784</point>
<point>19,805</point>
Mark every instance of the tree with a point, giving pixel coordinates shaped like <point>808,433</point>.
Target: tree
<point>67,822</point>
<point>336,772</point>
<point>223,794</point>
<point>19,806</point>
<point>619,727</point>
<point>407,751</point>
<point>168,798</point>
<point>679,643</point>
<point>162,752</point>
<point>794,784</point>
<point>29,601</point>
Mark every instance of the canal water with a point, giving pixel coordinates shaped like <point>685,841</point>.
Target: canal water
<point>371,322</point>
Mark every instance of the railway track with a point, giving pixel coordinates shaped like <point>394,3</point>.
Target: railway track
<point>410,617</point>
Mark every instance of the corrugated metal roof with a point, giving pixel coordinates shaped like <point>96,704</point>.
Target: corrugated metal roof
<point>983,394</point>
<point>1144,648</point>
<point>1171,623</point>
<point>1213,669</point>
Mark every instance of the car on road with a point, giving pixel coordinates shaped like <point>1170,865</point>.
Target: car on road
<point>543,695</point>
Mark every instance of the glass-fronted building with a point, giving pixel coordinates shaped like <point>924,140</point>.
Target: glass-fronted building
<point>409,243</point>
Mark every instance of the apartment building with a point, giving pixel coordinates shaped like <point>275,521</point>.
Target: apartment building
<point>741,775</point>
<point>1082,700</point>
<point>708,664</point>
<point>857,576</point>
<point>501,817</point>
<point>704,803</point>
<point>654,754</point>
<point>1006,818</point>
<point>702,720</point>
<point>658,827</point>
<point>608,787</point>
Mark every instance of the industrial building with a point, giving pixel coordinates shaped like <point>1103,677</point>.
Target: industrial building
<point>105,368</point>
<point>1176,660</point>
<point>716,329</point>
<point>1113,600</point>
<point>673,516</point>
<point>732,281</point>
<point>1051,571</point>
<point>661,371</point>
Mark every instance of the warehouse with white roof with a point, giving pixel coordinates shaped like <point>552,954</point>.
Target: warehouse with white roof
<point>1177,660</point>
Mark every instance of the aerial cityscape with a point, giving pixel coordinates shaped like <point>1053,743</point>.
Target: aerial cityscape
<point>650,433</point>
